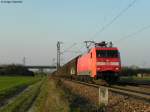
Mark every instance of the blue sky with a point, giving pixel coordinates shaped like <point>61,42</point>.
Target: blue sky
<point>31,29</point>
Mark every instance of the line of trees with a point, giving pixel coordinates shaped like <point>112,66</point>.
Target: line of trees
<point>13,70</point>
<point>129,71</point>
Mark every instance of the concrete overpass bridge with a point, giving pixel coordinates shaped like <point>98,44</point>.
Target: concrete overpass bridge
<point>40,67</point>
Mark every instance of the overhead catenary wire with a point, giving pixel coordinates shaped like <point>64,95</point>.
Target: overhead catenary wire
<point>105,26</point>
<point>114,19</point>
<point>133,34</point>
<point>67,49</point>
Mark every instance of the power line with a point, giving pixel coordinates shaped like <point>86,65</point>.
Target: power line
<point>73,51</point>
<point>115,18</point>
<point>109,23</point>
<point>134,33</point>
<point>70,47</point>
<point>68,50</point>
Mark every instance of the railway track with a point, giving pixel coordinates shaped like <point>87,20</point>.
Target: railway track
<point>123,91</point>
<point>132,89</point>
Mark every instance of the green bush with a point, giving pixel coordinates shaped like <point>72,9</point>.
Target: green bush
<point>14,70</point>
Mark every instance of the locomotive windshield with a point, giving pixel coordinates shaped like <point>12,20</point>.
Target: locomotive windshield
<point>107,54</point>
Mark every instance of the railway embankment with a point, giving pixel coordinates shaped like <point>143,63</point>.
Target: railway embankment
<point>116,102</point>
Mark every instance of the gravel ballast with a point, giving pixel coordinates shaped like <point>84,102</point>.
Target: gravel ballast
<point>116,101</point>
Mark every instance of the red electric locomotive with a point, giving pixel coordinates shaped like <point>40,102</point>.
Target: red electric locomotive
<point>102,61</point>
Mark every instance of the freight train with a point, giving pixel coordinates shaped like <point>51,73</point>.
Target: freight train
<point>101,62</point>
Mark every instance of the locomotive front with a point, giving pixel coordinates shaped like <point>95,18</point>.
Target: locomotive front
<point>108,64</point>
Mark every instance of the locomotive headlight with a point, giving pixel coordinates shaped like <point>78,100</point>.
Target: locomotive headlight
<point>117,68</point>
<point>98,68</point>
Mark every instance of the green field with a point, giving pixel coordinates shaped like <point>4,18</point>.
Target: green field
<point>9,86</point>
<point>9,82</point>
<point>23,101</point>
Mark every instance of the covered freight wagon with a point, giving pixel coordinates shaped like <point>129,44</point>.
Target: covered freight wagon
<point>69,69</point>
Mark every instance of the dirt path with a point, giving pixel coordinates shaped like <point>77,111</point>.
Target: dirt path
<point>55,101</point>
<point>50,99</point>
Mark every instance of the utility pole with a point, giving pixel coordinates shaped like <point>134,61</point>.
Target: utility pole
<point>24,61</point>
<point>58,54</point>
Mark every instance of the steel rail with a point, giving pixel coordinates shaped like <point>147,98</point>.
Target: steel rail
<point>131,90</point>
<point>133,93</point>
